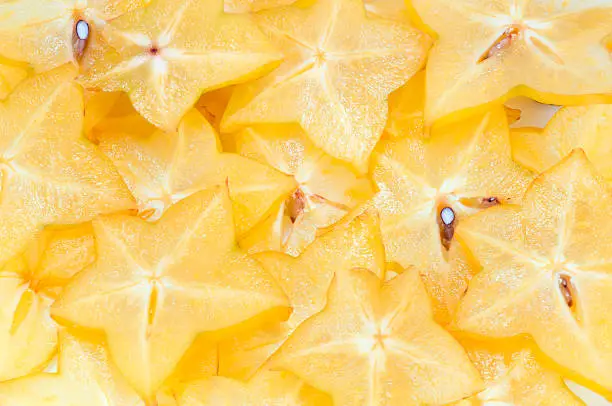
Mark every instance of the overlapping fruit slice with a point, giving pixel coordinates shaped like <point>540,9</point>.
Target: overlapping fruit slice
<point>514,375</point>
<point>429,186</point>
<point>50,174</point>
<point>162,168</point>
<point>167,54</point>
<point>407,110</point>
<point>327,187</point>
<point>377,344</point>
<point>556,52</point>
<point>251,6</point>
<point>586,127</point>
<point>29,284</point>
<point>86,376</point>
<point>265,388</point>
<point>339,69</point>
<point>11,74</point>
<point>305,280</point>
<point>546,269</point>
<point>154,287</point>
<point>44,34</point>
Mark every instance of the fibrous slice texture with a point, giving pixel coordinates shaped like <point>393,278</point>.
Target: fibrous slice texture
<point>338,71</point>
<point>543,272</point>
<point>167,54</point>
<point>554,51</point>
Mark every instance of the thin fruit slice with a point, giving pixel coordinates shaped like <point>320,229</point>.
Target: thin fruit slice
<point>154,287</point>
<point>161,168</point>
<point>44,33</point>
<point>252,6</point>
<point>514,375</point>
<point>339,69</point>
<point>212,105</point>
<point>305,280</point>
<point>201,361</point>
<point>86,377</point>
<point>586,127</point>
<point>265,388</point>
<point>376,343</point>
<point>50,174</point>
<point>546,269</point>
<point>407,110</point>
<point>554,52</point>
<point>167,54</point>
<point>11,74</point>
<point>429,186</point>
<point>327,188</point>
<point>30,283</point>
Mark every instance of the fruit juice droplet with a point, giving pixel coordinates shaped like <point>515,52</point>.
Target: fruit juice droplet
<point>82,30</point>
<point>447,215</point>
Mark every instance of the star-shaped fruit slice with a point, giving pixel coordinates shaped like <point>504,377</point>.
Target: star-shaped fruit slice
<point>161,168</point>
<point>167,54</point>
<point>29,284</point>
<point>265,388</point>
<point>376,343</point>
<point>586,127</point>
<point>429,186</point>
<point>327,187</point>
<point>305,280</point>
<point>49,173</point>
<point>339,69</point>
<point>514,375</point>
<point>154,287</point>
<point>50,33</point>
<point>556,52</point>
<point>86,376</point>
<point>546,269</point>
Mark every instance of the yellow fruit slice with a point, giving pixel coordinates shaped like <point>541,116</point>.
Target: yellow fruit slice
<point>327,188</point>
<point>376,343</point>
<point>389,9</point>
<point>407,109</point>
<point>49,173</point>
<point>514,375</point>
<point>11,74</point>
<point>331,48</point>
<point>265,388</point>
<point>546,269</point>
<point>586,127</point>
<point>30,283</point>
<point>154,287</point>
<point>252,6</point>
<point>167,54</point>
<point>200,362</point>
<point>98,106</point>
<point>44,33</point>
<point>305,280</point>
<point>86,377</point>
<point>459,171</point>
<point>212,105</point>
<point>161,168</point>
<point>487,51</point>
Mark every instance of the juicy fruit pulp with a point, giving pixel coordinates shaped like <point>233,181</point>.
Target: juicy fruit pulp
<point>262,202</point>
<point>555,51</point>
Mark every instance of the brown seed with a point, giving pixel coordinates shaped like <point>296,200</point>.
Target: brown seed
<point>447,222</point>
<point>80,38</point>
<point>566,287</point>
<point>503,42</point>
